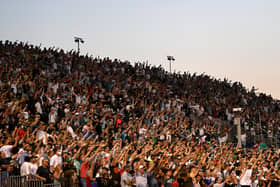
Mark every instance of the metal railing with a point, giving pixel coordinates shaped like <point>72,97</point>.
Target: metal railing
<point>3,178</point>
<point>24,181</point>
<point>52,185</point>
<point>13,181</point>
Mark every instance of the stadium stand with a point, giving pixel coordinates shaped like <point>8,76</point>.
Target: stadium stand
<point>73,120</point>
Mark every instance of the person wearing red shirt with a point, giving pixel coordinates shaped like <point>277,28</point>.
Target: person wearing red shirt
<point>83,172</point>
<point>21,132</point>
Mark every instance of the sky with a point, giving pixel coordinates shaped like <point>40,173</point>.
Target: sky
<point>238,40</point>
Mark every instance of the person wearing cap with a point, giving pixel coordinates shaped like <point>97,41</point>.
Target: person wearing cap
<point>126,178</point>
<point>141,177</point>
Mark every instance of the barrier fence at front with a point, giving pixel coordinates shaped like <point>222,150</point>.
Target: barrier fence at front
<point>52,185</point>
<point>24,181</point>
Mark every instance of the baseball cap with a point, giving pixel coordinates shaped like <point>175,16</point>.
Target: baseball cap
<point>69,160</point>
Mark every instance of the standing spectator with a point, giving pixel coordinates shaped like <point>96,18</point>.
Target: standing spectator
<point>103,180</point>
<point>25,169</point>
<point>4,164</point>
<point>115,173</point>
<point>83,172</point>
<point>219,183</point>
<point>13,169</point>
<point>33,165</point>
<point>141,177</point>
<point>56,159</point>
<point>7,148</point>
<point>70,173</point>
<point>43,172</point>
<point>126,178</point>
<point>57,174</point>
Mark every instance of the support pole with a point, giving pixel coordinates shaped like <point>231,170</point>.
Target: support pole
<point>78,46</point>
<point>237,122</point>
<point>170,66</point>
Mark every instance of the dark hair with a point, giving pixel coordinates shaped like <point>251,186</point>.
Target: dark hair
<point>105,168</point>
<point>27,159</point>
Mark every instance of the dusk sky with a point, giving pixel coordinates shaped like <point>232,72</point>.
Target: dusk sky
<point>239,39</point>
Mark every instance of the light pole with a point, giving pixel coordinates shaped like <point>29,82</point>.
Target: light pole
<point>78,40</point>
<point>170,59</point>
<point>237,114</point>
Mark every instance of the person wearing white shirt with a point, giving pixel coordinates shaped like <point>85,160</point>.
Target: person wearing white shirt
<point>143,130</point>
<point>33,166</point>
<point>7,150</point>
<point>141,177</point>
<point>71,131</point>
<point>14,88</point>
<point>126,178</point>
<point>42,135</point>
<point>201,131</point>
<point>56,159</point>
<point>38,107</point>
<point>52,115</point>
<point>219,183</point>
<point>21,156</point>
<point>25,169</point>
<point>246,178</point>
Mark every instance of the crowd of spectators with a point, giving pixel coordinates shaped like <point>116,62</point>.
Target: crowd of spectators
<point>71,119</point>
